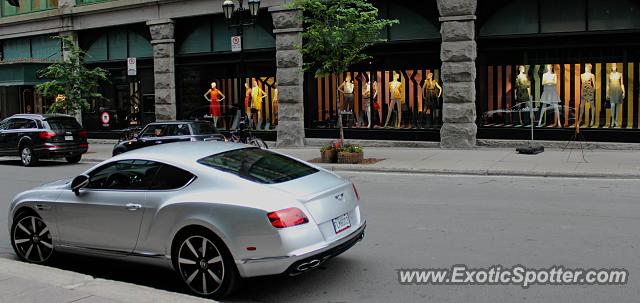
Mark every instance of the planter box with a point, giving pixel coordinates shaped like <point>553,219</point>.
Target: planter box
<point>329,156</point>
<point>350,158</point>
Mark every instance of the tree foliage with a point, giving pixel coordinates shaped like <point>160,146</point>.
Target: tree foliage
<point>337,32</point>
<point>71,78</point>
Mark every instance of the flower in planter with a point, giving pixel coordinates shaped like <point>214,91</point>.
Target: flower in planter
<point>327,147</point>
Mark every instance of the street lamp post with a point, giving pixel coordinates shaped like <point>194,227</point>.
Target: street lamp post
<point>236,18</point>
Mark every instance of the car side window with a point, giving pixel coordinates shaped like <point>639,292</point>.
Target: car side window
<point>178,130</point>
<point>124,175</point>
<point>4,125</point>
<point>170,177</point>
<point>19,123</point>
<point>154,131</point>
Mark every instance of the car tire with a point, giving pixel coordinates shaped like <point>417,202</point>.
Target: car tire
<point>259,143</point>
<point>31,238</point>
<point>27,156</point>
<point>212,274</point>
<point>117,151</point>
<point>73,159</point>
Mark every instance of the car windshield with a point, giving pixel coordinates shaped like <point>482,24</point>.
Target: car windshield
<point>204,129</point>
<point>58,124</point>
<point>258,165</point>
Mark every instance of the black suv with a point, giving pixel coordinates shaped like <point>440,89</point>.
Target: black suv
<point>168,132</point>
<point>34,137</point>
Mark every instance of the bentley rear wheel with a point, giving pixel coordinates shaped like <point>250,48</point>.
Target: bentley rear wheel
<point>31,238</point>
<point>205,266</point>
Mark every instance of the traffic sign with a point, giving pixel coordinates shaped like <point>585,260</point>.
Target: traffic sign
<point>105,118</point>
<point>236,43</point>
<point>132,67</point>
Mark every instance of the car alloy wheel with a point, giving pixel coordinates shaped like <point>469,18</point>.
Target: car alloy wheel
<point>31,239</point>
<point>27,156</point>
<point>201,265</point>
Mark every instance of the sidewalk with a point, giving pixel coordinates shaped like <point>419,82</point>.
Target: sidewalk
<point>23,282</point>
<point>601,163</point>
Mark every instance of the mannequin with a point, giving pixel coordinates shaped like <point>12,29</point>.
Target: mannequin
<point>397,93</point>
<point>214,96</point>
<point>430,97</point>
<point>346,88</point>
<point>550,96</point>
<point>247,103</point>
<point>366,99</point>
<point>257,97</point>
<point>275,103</point>
<point>587,94</point>
<point>522,92</point>
<point>615,93</point>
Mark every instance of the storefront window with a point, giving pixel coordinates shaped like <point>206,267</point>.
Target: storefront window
<point>396,99</point>
<point>596,95</point>
<point>224,100</point>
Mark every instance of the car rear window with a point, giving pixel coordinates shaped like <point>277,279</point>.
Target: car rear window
<point>258,165</point>
<point>204,129</point>
<point>63,124</point>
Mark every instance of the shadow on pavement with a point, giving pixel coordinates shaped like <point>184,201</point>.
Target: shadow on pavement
<point>41,163</point>
<point>260,289</point>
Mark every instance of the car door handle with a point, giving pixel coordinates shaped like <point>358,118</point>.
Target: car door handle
<point>133,206</point>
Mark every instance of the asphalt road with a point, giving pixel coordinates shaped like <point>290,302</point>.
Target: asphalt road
<point>417,221</point>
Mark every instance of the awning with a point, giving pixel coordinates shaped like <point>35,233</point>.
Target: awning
<point>13,74</point>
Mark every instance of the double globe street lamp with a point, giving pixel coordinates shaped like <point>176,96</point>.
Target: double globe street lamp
<point>228,7</point>
<point>237,18</point>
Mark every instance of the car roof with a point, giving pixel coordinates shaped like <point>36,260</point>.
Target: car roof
<point>41,116</point>
<point>178,122</point>
<point>180,153</point>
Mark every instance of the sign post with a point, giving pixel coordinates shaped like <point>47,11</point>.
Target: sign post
<point>236,43</point>
<point>132,67</point>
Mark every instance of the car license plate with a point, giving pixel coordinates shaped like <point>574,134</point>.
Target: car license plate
<point>68,138</point>
<point>341,223</point>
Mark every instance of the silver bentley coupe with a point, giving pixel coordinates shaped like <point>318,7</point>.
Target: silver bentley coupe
<point>215,212</point>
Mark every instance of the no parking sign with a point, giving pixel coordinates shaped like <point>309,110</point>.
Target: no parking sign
<point>105,118</point>
<point>132,67</point>
<point>236,43</point>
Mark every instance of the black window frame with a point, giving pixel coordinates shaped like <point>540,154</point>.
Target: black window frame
<point>97,170</point>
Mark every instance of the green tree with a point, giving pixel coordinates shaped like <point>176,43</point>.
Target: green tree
<point>71,78</point>
<point>336,35</point>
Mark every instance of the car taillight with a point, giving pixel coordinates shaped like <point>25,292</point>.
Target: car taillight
<point>355,191</point>
<point>287,217</point>
<point>46,135</point>
<point>83,134</point>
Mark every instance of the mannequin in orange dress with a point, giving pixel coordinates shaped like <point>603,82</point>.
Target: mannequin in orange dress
<point>214,96</point>
<point>247,103</point>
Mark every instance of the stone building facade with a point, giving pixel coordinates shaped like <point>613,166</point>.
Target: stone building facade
<point>467,48</point>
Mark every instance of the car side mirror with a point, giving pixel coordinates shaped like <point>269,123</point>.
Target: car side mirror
<point>78,183</point>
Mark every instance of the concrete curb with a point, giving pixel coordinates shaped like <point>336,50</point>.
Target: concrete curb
<point>472,172</point>
<point>113,290</point>
<point>480,172</point>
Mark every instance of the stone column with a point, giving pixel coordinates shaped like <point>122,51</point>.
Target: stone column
<point>458,55</point>
<point>289,74</point>
<point>163,41</point>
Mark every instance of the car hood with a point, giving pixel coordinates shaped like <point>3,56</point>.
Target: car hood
<point>62,183</point>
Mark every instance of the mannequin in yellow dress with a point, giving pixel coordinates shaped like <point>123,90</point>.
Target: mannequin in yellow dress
<point>397,95</point>
<point>257,97</point>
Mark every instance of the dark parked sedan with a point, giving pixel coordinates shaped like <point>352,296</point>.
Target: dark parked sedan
<point>168,132</point>
<point>34,137</point>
